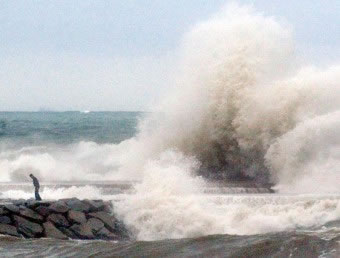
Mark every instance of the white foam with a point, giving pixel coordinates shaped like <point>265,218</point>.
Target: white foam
<point>170,203</point>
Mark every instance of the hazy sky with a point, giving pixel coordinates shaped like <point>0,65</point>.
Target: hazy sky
<point>119,55</point>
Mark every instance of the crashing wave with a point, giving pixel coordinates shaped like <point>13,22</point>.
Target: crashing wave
<point>244,108</point>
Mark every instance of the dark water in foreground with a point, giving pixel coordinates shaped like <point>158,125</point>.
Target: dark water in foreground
<point>288,244</point>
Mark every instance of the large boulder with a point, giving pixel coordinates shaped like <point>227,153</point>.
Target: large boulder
<point>95,205</point>
<point>106,234</point>
<point>33,204</point>
<point>8,230</point>
<point>77,205</point>
<point>121,230</point>
<point>108,207</point>
<point>5,220</point>
<point>12,208</point>
<point>3,211</point>
<point>52,232</point>
<point>105,217</point>
<point>43,211</point>
<point>76,217</point>
<point>19,202</point>
<point>58,220</point>
<point>58,207</point>
<point>83,231</point>
<point>28,213</point>
<point>95,225</point>
<point>28,228</point>
<point>68,233</point>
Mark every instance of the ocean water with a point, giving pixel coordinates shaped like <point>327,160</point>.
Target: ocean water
<point>241,159</point>
<point>37,128</point>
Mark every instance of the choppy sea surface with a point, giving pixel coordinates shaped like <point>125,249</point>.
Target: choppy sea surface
<point>36,128</point>
<point>71,153</point>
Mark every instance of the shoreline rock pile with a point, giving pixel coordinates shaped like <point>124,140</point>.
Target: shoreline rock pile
<point>61,219</point>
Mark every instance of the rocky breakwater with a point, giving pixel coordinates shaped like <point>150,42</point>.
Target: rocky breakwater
<point>61,219</point>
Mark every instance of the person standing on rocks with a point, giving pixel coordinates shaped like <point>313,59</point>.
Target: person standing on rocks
<point>36,186</point>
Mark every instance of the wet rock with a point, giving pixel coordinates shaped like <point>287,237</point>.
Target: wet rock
<point>69,233</point>
<point>83,231</point>
<point>5,220</point>
<point>22,207</point>
<point>58,220</point>
<point>77,205</point>
<point>28,213</point>
<point>19,202</point>
<point>96,205</point>
<point>43,211</point>
<point>108,207</point>
<point>8,230</point>
<point>52,232</point>
<point>95,225</point>
<point>89,219</point>
<point>105,217</point>
<point>76,217</point>
<point>3,211</point>
<point>106,234</point>
<point>12,208</point>
<point>59,207</point>
<point>28,228</point>
<point>33,204</point>
<point>121,231</point>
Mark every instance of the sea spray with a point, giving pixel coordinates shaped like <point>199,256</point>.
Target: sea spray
<point>167,203</point>
<point>242,94</point>
<point>243,108</point>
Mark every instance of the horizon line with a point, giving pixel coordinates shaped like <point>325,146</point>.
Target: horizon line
<point>64,111</point>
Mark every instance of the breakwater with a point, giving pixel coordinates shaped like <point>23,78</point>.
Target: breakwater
<point>61,219</point>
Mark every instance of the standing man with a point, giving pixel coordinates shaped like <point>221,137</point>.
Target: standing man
<point>36,186</point>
